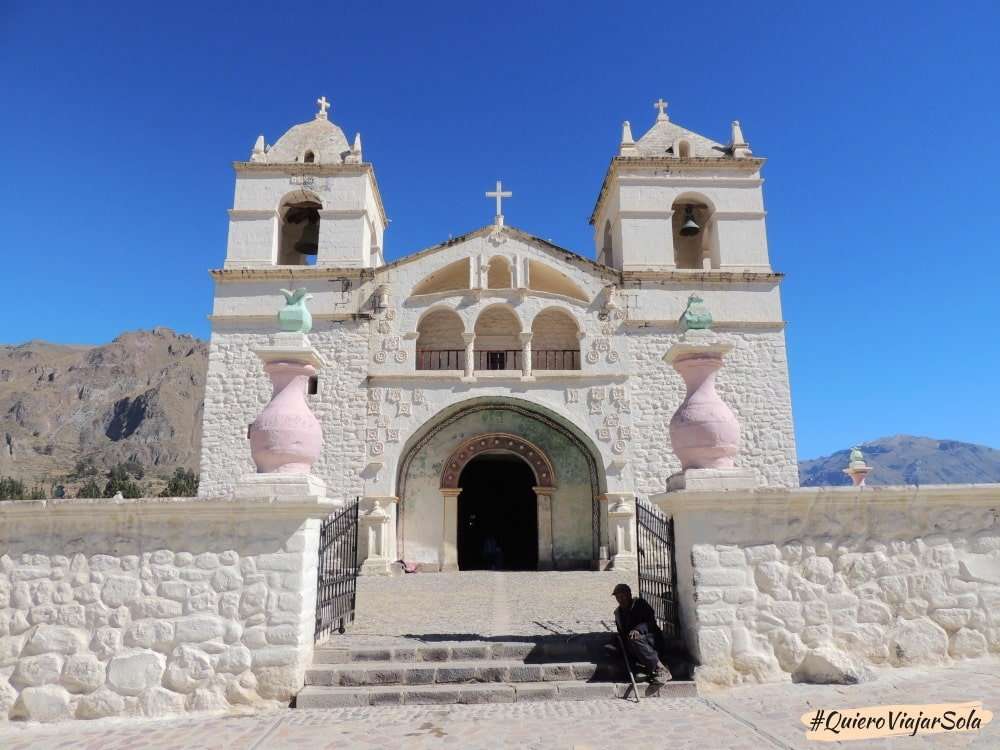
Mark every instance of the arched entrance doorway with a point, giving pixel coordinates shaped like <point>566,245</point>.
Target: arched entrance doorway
<point>569,523</point>
<point>497,514</point>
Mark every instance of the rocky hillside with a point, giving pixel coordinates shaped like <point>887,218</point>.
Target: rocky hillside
<point>138,398</point>
<point>906,459</point>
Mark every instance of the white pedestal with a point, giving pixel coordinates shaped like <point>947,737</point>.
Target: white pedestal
<point>712,479</point>
<point>280,485</point>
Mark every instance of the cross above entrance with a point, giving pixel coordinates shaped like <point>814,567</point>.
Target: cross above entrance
<point>499,194</point>
<point>324,105</point>
<point>661,106</point>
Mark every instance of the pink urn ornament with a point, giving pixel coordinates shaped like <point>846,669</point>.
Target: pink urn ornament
<point>287,438</point>
<point>704,432</point>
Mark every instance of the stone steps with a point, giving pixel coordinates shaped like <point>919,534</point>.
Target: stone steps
<point>347,673</point>
<point>529,651</point>
<point>316,696</point>
<point>358,674</point>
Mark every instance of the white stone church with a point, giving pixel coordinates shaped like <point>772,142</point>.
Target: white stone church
<point>495,402</point>
<point>497,364</point>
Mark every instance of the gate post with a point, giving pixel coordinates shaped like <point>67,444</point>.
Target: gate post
<point>622,530</point>
<point>377,545</point>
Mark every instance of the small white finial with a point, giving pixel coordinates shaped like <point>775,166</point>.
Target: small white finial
<point>499,194</point>
<point>324,105</point>
<point>627,139</point>
<point>356,148</point>
<point>259,147</point>
<point>661,107</point>
<point>738,145</point>
<point>627,146</point>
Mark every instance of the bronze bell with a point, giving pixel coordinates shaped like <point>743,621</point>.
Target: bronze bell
<point>308,244</point>
<point>307,214</point>
<point>690,227</point>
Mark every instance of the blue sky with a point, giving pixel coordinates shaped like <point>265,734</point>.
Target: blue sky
<point>879,120</point>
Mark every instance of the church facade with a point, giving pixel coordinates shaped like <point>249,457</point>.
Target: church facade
<point>490,398</point>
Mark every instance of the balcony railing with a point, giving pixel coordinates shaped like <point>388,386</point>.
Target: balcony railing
<point>440,359</point>
<point>498,359</point>
<point>555,359</point>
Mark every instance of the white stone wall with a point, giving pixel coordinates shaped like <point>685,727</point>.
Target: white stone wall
<point>753,382</point>
<point>152,607</point>
<point>864,579</point>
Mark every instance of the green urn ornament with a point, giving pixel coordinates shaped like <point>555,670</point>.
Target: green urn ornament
<point>696,316</point>
<point>294,317</point>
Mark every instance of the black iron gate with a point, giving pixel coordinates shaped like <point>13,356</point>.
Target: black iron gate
<point>657,572</point>
<point>337,583</point>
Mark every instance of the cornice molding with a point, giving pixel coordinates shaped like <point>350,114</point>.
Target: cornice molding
<point>713,276</point>
<point>282,273</point>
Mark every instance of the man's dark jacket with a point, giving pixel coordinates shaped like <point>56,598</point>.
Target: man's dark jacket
<point>639,616</point>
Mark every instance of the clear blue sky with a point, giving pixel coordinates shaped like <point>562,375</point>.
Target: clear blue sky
<point>879,120</point>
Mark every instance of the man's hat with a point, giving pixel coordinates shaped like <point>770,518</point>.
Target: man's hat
<point>622,588</point>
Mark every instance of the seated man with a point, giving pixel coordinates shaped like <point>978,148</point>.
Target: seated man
<point>636,623</point>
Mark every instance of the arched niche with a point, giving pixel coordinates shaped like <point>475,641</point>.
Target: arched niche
<point>544,278</point>
<point>499,274</point>
<point>450,278</point>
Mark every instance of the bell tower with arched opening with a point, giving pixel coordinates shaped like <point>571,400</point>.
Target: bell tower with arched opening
<point>307,200</point>
<point>675,200</point>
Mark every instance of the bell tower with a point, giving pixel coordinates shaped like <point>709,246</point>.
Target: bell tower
<point>309,199</point>
<point>675,200</point>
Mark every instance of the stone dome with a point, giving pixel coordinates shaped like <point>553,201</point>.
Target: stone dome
<point>324,139</point>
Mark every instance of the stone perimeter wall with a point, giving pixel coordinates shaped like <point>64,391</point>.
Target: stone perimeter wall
<point>854,580</point>
<point>150,610</point>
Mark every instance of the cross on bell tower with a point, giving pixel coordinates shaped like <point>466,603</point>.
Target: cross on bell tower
<point>324,105</point>
<point>499,194</point>
<point>661,107</point>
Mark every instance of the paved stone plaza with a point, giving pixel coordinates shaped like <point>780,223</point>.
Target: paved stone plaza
<point>748,718</point>
<point>486,604</point>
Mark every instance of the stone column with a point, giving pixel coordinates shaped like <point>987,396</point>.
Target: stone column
<point>546,556</point>
<point>622,530</point>
<point>525,354</point>
<point>449,530</point>
<point>470,354</point>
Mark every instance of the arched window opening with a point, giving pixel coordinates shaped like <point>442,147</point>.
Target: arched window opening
<point>440,345</point>
<point>555,341</point>
<point>543,278</point>
<point>499,275</point>
<point>684,149</point>
<point>453,277</point>
<point>498,340</point>
<point>309,157</point>
<point>299,243</point>
<point>693,234</point>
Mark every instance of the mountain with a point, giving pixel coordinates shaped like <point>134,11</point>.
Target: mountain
<point>907,459</point>
<point>138,398</point>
